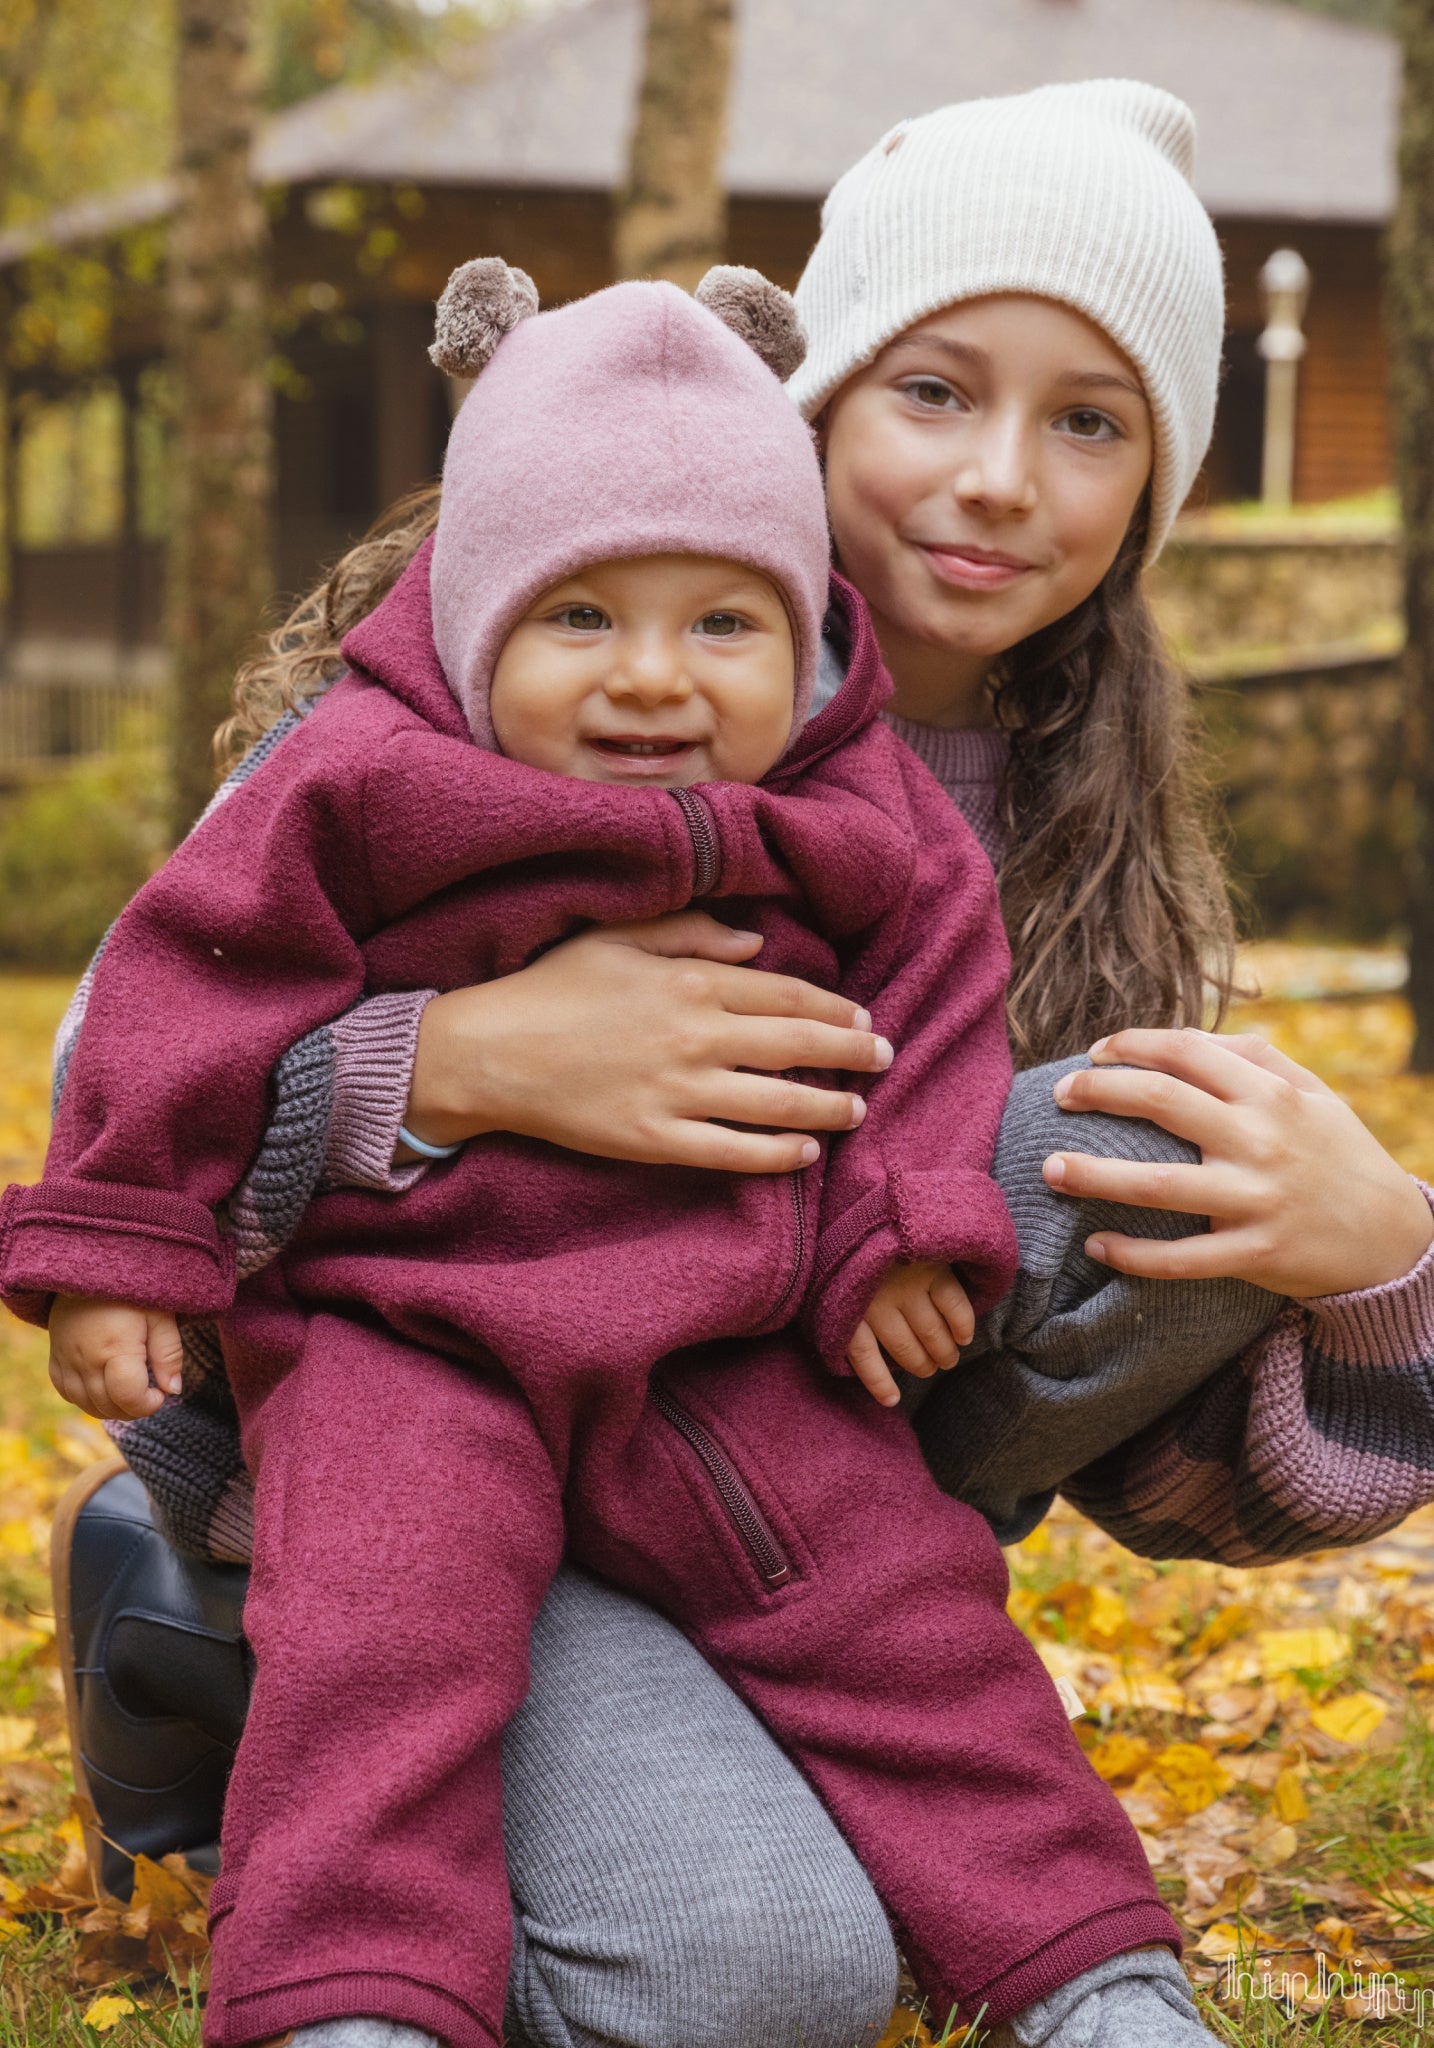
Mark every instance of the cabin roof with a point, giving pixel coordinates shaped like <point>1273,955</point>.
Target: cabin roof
<point>1296,111</point>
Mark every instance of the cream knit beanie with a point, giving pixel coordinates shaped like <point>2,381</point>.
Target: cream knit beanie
<point>1079,193</point>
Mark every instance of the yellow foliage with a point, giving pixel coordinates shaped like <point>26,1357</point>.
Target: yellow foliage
<point>1301,1649</point>
<point>1107,1616</point>
<point>107,2012</point>
<point>1289,1796</point>
<point>1119,1756</point>
<point>1352,1718</point>
<point>17,1732</point>
<point>1191,1776</point>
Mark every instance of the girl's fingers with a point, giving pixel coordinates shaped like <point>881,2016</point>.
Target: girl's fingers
<point>789,1105</point>
<point>1248,1045</point>
<point>773,1044</point>
<point>724,1151</point>
<point>865,1359</point>
<point>686,935</point>
<point>1209,1256</point>
<point>1198,1057</point>
<point>1141,1184</point>
<point>1180,1107</point>
<point>955,1307</point>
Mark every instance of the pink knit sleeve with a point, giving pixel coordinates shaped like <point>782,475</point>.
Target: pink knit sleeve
<point>374,1048</point>
<point>1388,1325</point>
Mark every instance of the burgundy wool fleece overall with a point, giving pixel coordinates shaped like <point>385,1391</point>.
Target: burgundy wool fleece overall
<point>531,1344</point>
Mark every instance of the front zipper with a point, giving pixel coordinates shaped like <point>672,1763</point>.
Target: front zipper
<point>733,1492</point>
<point>705,854</point>
<point>799,1248</point>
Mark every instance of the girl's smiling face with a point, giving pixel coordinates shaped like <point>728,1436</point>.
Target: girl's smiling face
<point>982,473</point>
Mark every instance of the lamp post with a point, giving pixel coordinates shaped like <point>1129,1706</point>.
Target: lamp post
<point>1285,285</point>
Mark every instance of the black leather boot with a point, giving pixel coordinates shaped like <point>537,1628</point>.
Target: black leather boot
<point>157,1676</point>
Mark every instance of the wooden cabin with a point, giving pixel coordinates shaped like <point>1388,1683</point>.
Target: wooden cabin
<point>379,191</point>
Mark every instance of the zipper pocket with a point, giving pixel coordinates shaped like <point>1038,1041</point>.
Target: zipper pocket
<point>733,1492</point>
<point>705,854</point>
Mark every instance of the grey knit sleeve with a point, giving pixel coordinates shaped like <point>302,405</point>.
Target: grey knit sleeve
<point>1321,1433</point>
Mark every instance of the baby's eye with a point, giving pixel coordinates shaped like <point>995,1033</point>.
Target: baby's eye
<point>582,618</point>
<point>1086,424</point>
<point>719,625</point>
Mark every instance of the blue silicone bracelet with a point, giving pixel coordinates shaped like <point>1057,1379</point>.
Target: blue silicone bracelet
<point>425,1150</point>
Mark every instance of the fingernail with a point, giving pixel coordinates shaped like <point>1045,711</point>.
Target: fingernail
<point>862,1021</point>
<point>885,1052</point>
<point>811,1152</point>
<point>1098,1048</point>
<point>1063,1087</point>
<point>738,934</point>
<point>891,1400</point>
<point>1095,1249</point>
<point>1054,1170</point>
<point>858,1112</point>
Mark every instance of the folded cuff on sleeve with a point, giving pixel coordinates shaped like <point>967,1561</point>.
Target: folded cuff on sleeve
<point>957,1217</point>
<point>1388,1325</point>
<point>375,1045</point>
<point>143,1245</point>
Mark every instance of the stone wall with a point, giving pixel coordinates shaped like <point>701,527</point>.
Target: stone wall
<point>1307,765</point>
<point>1216,589</point>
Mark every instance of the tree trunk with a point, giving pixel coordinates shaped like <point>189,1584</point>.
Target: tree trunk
<point>672,214</point>
<point>219,562</point>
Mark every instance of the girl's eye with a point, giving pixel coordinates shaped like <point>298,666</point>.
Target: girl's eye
<point>1087,424</point>
<point>933,392</point>
<point>582,618</point>
<point>719,625</point>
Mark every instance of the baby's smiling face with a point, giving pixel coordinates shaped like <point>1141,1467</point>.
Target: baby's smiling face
<point>668,669</point>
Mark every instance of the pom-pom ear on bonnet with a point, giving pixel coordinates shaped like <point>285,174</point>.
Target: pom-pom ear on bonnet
<point>482,301</point>
<point>760,312</point>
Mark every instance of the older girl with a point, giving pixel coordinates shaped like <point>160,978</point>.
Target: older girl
<point>1014,316</point>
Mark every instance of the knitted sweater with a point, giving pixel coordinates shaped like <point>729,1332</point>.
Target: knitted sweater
<point>1321,1432</point>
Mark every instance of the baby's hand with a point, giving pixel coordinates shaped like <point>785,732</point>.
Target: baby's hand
<point>102,1354</point>
<point>921,1316</point>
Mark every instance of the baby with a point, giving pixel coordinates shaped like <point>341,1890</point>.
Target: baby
<point>586,702</point>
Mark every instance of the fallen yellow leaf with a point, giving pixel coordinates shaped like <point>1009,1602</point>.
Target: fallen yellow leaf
<point>107,2012</point>
<point>1352,1718</point>
<point>16,1735</point>
<point>1192,1776</point>
<point>1119,1756</point>
<point>1107,1615</point>
<point>1225,1938</point>
<point>1275,1848</point>
<point>1132,1689</point>
<point>1290,1802</point>
<point>906,2029</point>
<point>1301,1649</point>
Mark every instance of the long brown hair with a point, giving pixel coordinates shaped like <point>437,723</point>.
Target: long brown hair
<point>1111,891</point>
<point>301,657</point>
<point>1114,899</point>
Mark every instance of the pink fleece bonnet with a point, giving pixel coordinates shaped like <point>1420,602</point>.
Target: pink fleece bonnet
<point>634,422</point>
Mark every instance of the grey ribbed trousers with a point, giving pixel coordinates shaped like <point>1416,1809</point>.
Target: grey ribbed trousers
<point>675,1882</point>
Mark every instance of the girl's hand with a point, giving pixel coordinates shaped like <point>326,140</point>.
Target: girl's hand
<point>921,1316</point>
<point>1301,1198</point>
<point>628,1041</point>
<point>103,1354</point>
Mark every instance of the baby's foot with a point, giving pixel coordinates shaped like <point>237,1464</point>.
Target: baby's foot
<point>1140,2000</point>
